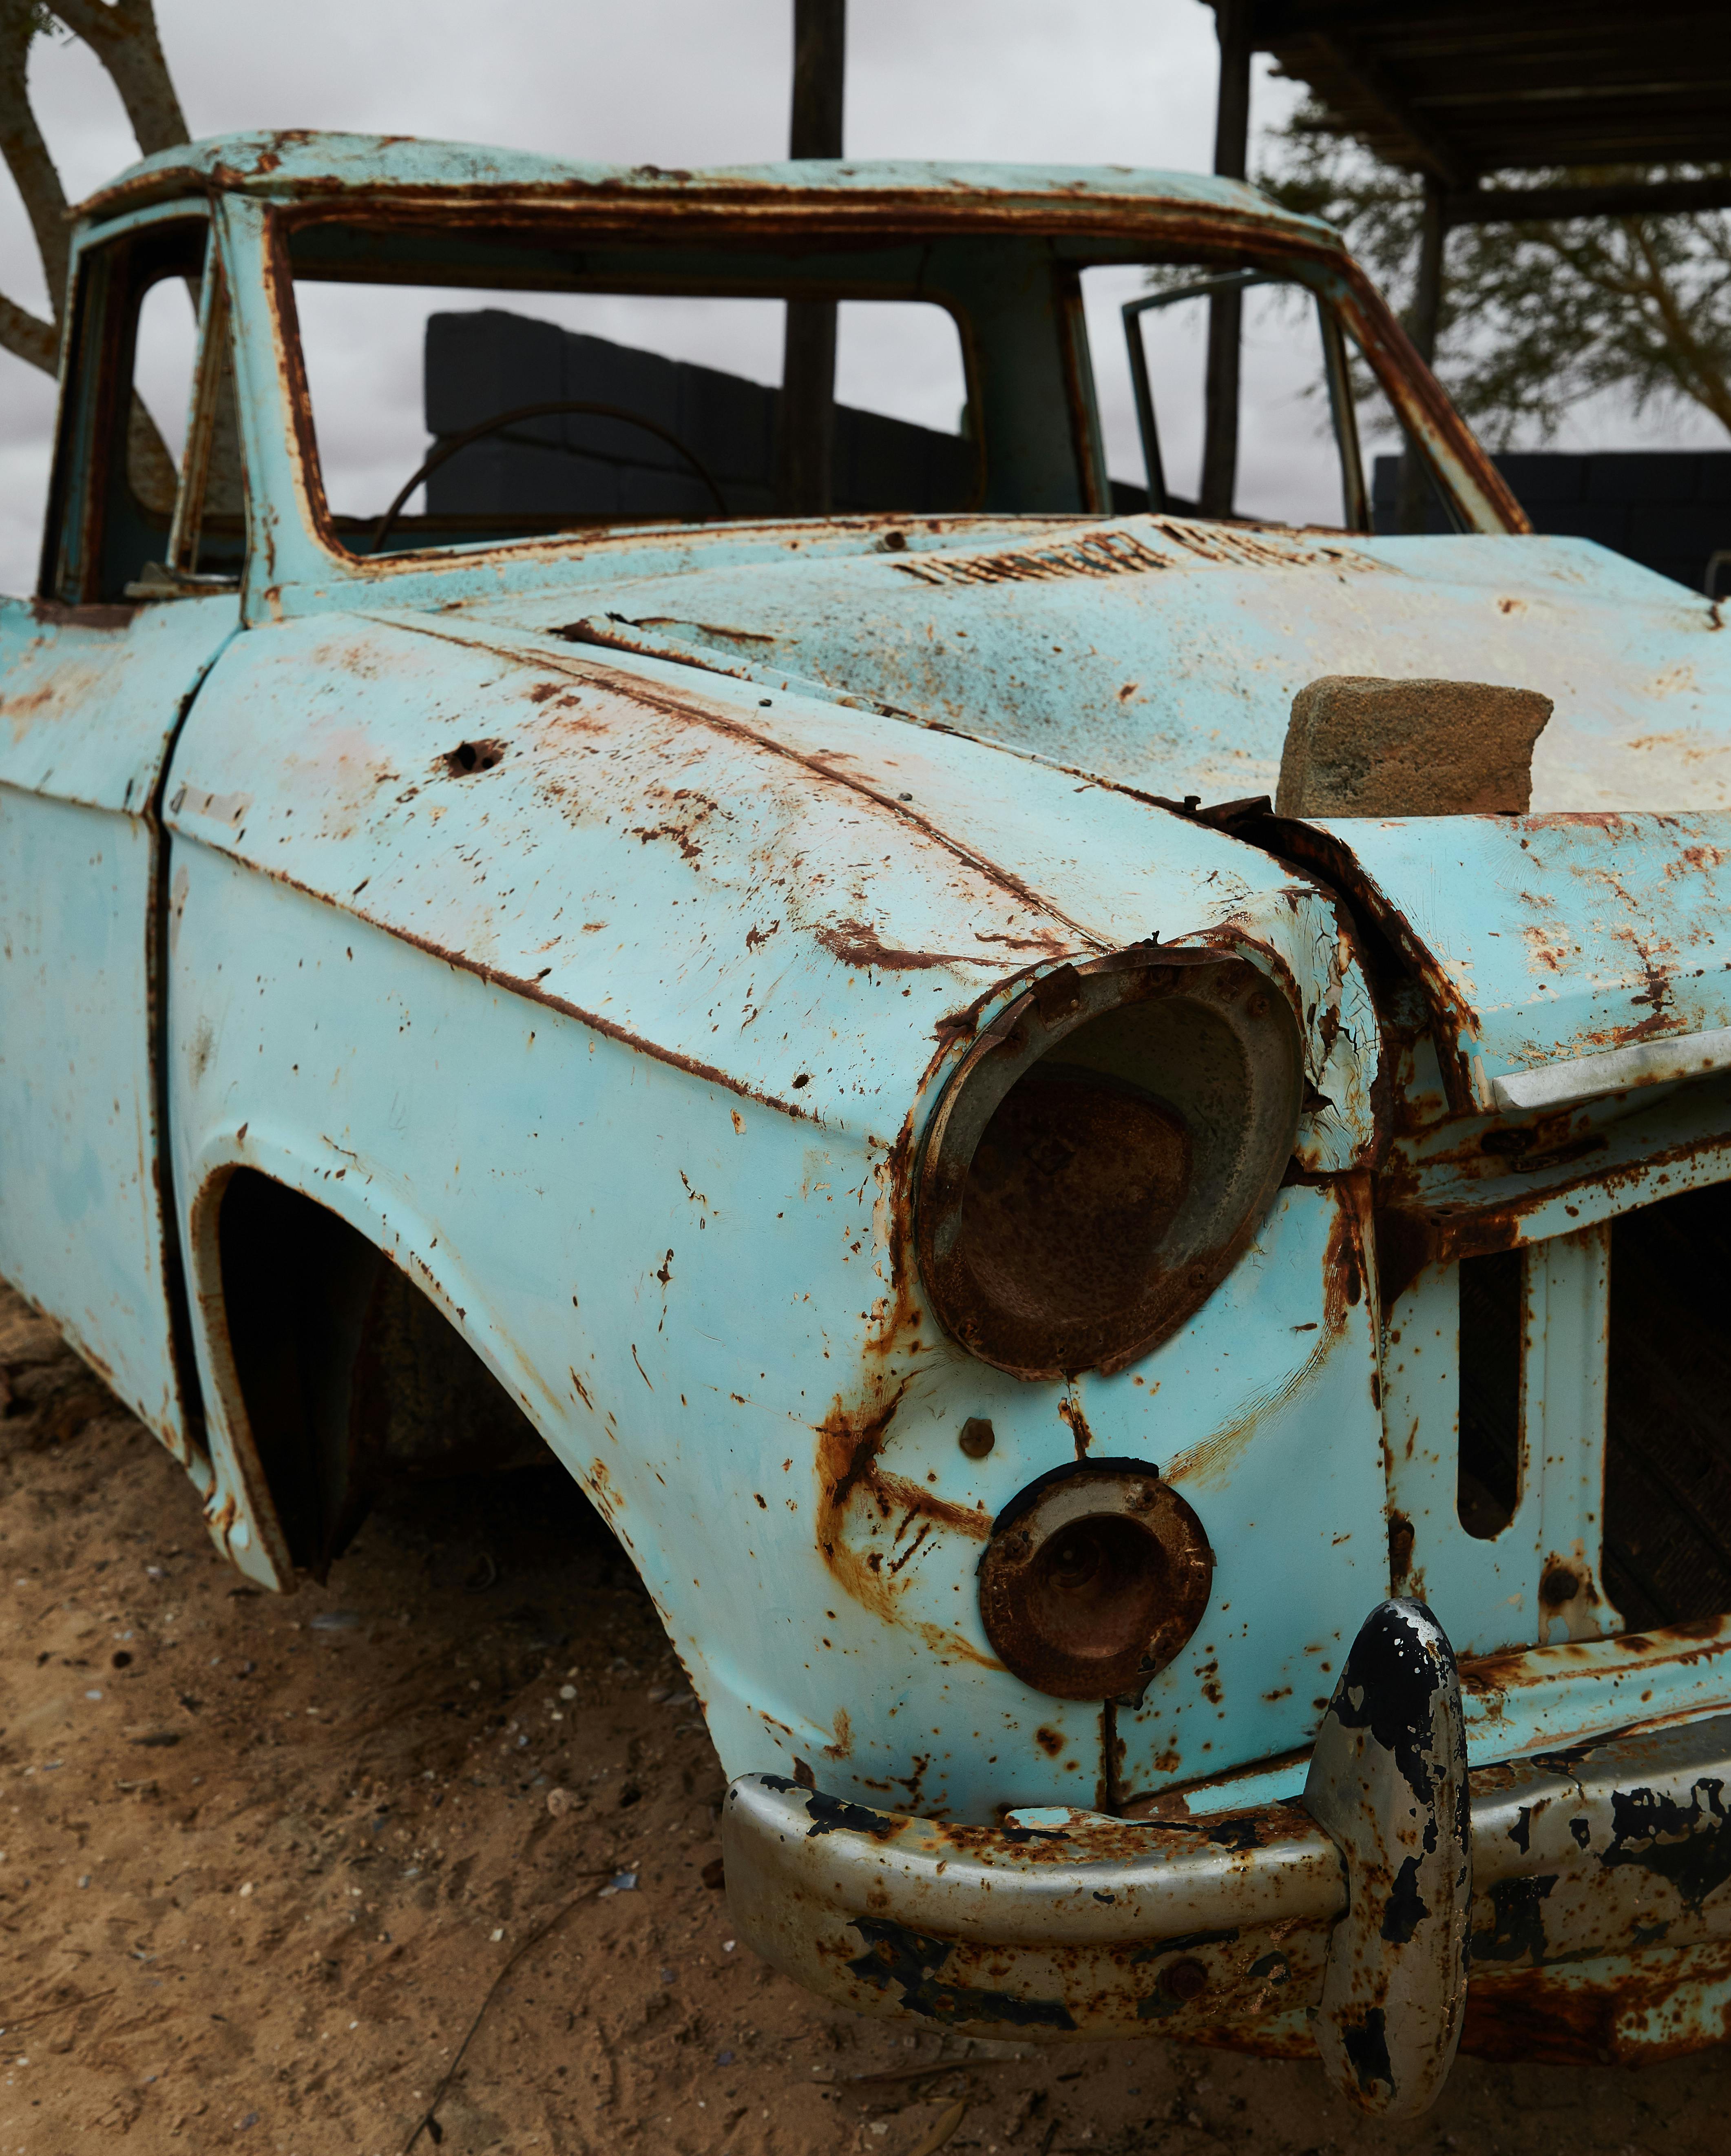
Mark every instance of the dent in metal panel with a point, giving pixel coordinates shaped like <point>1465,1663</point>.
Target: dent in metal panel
<point>1263,1414</point>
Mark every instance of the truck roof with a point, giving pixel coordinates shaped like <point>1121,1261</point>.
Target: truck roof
<point>300,166</point>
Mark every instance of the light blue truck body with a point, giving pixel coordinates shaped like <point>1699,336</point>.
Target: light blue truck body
<point>621,1046</point>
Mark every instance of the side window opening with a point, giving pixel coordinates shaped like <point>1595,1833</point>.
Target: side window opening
<point>1298,457</point>
<point>206,542</point>
<point>1313,421</point>
<point>148,498</point>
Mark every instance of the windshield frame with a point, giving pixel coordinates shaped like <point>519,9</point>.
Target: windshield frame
<point>293,566</point>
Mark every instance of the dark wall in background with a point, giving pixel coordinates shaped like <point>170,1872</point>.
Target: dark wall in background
<point>480,364</point>
<point>1668,509</point>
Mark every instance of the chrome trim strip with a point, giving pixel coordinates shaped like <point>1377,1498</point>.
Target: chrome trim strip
<point>1590,1077</point>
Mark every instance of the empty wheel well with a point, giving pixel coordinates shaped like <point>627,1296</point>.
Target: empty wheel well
<point>350,1377</point>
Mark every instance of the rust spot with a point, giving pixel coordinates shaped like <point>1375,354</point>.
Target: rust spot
<point>848,1442</point>
<point>1049,1740</point>
<point>1515,1668</point>
<point>684,812</point>
<point>1070,1411</point>
<point>856,944</point>
<point>1639,2012</point>
<point>977,1437</point>
<point>851,1438</point>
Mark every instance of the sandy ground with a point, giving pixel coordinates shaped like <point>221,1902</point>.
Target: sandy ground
<point>264,1859</point>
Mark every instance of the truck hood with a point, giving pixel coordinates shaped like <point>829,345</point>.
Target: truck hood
<point>1164,654</point>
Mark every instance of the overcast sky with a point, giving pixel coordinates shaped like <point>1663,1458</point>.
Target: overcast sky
<point>670,82</point>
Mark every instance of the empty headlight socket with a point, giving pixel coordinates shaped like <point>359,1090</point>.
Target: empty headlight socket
<point>1094,1578</point>
<point>1103,1155</point>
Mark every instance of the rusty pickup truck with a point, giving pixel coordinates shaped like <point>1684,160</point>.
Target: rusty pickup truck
<point>1130,1228</point>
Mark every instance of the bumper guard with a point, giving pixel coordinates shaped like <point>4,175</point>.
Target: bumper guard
<point>1345,1924</point>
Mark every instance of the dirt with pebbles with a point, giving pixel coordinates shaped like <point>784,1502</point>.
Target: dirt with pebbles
<point>263,1860</point>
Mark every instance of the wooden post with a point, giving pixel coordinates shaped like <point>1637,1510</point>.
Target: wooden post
<point>1225,309</point>
<point>805,428</point>
<point>1426,306</point>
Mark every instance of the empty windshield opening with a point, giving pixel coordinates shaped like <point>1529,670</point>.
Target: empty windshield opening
<point>454,414</point>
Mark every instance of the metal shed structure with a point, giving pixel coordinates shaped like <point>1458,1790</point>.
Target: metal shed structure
<point>1457,89</point>
<point>1461,90</point>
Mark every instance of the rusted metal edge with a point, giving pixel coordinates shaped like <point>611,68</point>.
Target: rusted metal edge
<point>713,198</point>
<point>1325,855</point>
<point>1407,382</point>
<point>1412,1233</point>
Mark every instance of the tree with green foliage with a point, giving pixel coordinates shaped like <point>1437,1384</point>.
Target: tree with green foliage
<point>1535,317</point>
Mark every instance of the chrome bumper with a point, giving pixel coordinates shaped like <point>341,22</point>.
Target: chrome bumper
<point>1596,1876</point>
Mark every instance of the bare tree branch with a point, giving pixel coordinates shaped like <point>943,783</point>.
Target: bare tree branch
<point>28,336</point>
<point>1690,362</point>
<point>122,34</point>
<point>27,155</point>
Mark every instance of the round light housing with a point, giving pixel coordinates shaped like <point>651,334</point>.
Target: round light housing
<point>1094,1579</point>
<point>1103,1155</point>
